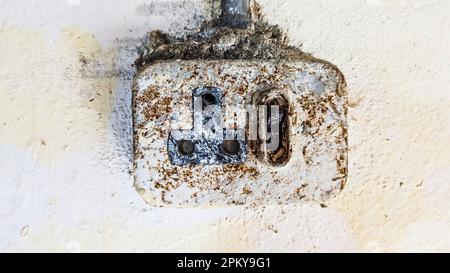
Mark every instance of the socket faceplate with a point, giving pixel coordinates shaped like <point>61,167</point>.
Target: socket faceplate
<point>317,126</point>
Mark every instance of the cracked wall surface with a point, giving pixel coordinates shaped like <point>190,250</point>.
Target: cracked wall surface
<point>65,130</point>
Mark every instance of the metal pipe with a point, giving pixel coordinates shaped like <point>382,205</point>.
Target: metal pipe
<point>235,13</point>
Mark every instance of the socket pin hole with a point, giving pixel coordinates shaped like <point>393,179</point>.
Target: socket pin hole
<point>231,147</point>
<point>208,99</point>
<point>186,147</point>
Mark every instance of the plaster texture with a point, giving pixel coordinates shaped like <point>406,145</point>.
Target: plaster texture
<point>65,130</point>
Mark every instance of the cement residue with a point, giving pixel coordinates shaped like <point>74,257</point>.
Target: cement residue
<point>215,42</point>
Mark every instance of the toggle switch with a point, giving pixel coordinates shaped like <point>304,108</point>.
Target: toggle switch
<point>270,143</point>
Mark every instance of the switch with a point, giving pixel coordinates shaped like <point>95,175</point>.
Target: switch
<point>270,140</point>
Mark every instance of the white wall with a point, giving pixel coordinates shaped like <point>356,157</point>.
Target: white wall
<point>65,182</point>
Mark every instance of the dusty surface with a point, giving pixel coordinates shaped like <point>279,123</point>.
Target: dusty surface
<point>259,41</point>
<point>316,171</point>
<point>240,62</point>
<point>64,176</point>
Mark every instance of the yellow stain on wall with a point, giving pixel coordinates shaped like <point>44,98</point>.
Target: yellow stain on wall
<point>52,105</point>
<point>392,188</point>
